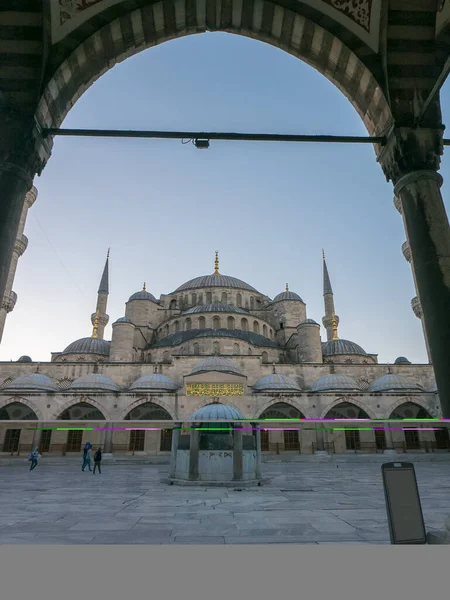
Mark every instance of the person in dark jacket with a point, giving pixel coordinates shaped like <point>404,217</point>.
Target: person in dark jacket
<point>87,457</point>
<point>97,460</point>
<point>34,458</point>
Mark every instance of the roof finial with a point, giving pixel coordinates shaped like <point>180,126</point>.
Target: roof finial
<point>107,254</point>
<point>143,287</point>
<point>287,287</point>
<point>323,254</point>
<point>273,368</point>
<point>335,327</point>
<point>216,263</point>
<point>94,329</point>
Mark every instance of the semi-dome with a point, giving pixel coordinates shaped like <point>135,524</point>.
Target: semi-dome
<point>33,381</point>
<point>276,381</point>
<point>155,381</point>
<point>216,363</point>
<point>287,296</point>
<point>24,359</point>
<point>94,381</point>
<point>88,345</point>
<point>216,412</point>
<point>391,381</point>
<point>401,360</point>
<point>334,382</point>
<point>122,320</point>
<point>175,339</point>
<point>215,280</point>
<point>142,295</point>
<point>333,347</point>
<point>203,308</point>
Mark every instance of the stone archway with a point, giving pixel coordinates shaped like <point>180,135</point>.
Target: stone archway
<point>21,401</point>
<point>348,401</point>
<point>81,410</point>
<point>286,401</point>
<point>415,403</point>
<point>159,406</point>
<point>17,410</point>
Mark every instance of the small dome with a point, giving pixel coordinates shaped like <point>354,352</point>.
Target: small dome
<point>202,308</point>
<point>287,296</point>
<point>155,381</point>
<point>33,381</point>
<point>142,295</point>
<point>88,345</point>
<point>215,280</point>
<point>389,382</point>
<point>333,347</point>
<point>94,381</point>
<point>310,322</point>
<point>334,382</point>
<point>401,360</point>
<point>122,320</point>
<point>276,381</point>
<point>25,359</point>
<point>216,412</point>
<point>216,363</point>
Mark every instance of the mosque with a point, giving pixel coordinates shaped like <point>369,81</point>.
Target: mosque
<point>215,340</point>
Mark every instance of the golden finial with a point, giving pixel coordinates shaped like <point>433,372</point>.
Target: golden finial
<point>143,287</point>
<point>94,329</point>
<point>216,263</point>
<point>335,327</point>
<point>287,287</point>
<point>107,254</point>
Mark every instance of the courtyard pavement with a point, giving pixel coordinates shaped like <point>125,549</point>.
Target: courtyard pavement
<point>304,503</point>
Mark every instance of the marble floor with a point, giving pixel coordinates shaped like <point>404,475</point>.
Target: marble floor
<point>304,503</point>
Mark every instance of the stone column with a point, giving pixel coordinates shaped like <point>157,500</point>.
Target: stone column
<point>258,452</point>
<point>389,450</point>
<point>237,455</point>
<point>107,444</point>
<point>37,434</point>
<point>429,239</point>
<point>320,446</point>
<point>173,453</point>
<point>410,159</point>
<point>194,452</point>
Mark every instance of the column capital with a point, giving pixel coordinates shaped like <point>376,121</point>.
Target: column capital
<point>411,149</point>
<point>416,176</point>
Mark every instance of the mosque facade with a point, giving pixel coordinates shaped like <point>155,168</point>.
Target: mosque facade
<point>215,340</point>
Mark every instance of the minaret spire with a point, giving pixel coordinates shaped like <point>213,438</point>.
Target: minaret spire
<point>330,320</point>
<point>216,263</point>
<point>287,287</point>
<point>102,300</point>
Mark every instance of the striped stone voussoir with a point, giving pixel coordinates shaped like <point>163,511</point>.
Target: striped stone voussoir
<point>258,19</point>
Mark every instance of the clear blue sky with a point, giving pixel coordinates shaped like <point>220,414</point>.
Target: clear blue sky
<point>164,207</point>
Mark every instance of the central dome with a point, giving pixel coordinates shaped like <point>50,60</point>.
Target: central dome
<point>215,280</point>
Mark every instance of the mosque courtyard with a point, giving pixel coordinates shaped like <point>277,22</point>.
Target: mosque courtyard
<point>303,503</point>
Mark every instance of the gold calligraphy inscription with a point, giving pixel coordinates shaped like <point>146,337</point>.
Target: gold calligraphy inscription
<point>214,389</point>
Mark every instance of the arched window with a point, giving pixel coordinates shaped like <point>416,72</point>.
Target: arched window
<point>201,323</point>
<point>200,298</point>
<point>166,330</point>
<point>173,304</point>
<point>238,300</point>
<point>196,349</point>
<point>208,298</point>
<point>252,303</point>
<point>188,324</point>
<point>230,322</point>
<point>271,334</point>
<point>216,348</point>
<point>250,352</point>
<point>166,357</point>
<point>244,324</point>
<point>194,299</point>
<point>176,326</point>
<point>265,357</point>
<point>236,349</point>
<point>224,298</point>
<point>255,327</point>
<point>264,330</point>
<point>216,323</point>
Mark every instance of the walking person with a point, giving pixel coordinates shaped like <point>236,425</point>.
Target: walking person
<point>33,456</point>
<point>97,461</point>
<point>87,456</point>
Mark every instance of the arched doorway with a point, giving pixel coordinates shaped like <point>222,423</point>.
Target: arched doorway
<point>17,411</point>
<point>411,410</point>
<point>148,411</point>
<point>348,410</point>
<point>282,411</point>
<point>81,411</point>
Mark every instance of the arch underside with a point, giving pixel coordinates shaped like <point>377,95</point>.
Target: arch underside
<point>268,22</point>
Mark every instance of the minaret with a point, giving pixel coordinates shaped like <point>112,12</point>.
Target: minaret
<point>102,300</point>
<point>328,299</point>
